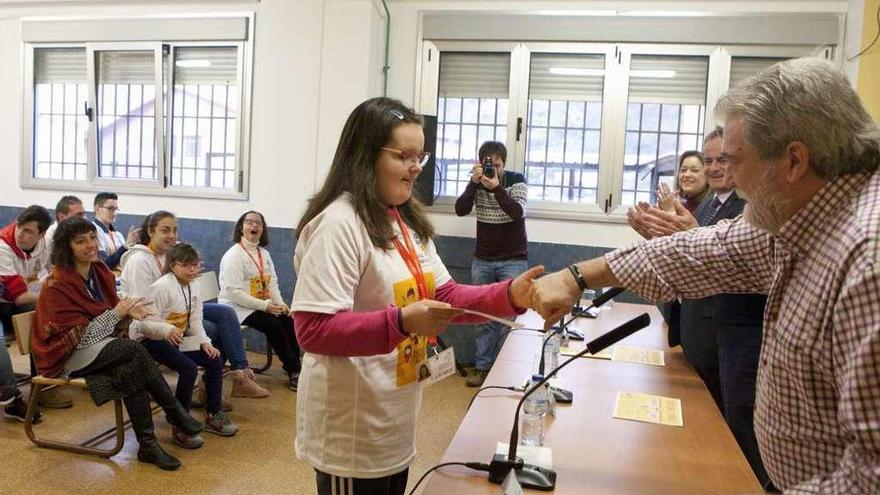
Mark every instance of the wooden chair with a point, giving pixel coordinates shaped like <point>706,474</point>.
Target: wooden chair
<point>208,288</point>
<point>22,323</point>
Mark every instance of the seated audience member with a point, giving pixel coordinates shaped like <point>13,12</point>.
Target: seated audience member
<point>68,206</point>
<point>79,331</point>
<point>111,243</point>
<point>177,316</point>
<point>14,405</point>
<point>144,264</point>
<point>249,284</point>
<point>24,260</point>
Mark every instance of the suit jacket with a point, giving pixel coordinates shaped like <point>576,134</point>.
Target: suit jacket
<point>725,318</point>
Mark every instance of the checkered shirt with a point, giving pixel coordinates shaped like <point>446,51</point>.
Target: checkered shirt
<point>817,411</point>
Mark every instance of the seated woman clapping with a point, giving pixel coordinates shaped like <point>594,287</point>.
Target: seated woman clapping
<point>80,329</point>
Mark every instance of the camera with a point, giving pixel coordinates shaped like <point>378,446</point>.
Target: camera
<point>488,167</point>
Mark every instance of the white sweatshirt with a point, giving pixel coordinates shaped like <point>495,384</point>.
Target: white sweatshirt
<point>240,285</point>
<point>140,268</point>
<point>173,303</point>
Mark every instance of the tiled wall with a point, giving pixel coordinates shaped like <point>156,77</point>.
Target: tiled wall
<point>213,237</point>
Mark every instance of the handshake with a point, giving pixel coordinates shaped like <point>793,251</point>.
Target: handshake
<point>551,295</point>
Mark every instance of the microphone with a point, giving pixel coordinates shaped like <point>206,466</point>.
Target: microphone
<point>536,477</point>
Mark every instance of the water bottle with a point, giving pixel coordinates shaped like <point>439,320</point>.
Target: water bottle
<point>534,409</point>
<point>551,353</point>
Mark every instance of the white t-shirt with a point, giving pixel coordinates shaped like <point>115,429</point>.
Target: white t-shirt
<point>352,418</point>
<point>240,285</point>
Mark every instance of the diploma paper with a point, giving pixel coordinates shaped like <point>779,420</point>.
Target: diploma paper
<point>458,311</point>
<point>648,408</point>
<point>640,355</point>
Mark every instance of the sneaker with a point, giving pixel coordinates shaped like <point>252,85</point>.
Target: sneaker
<point>220,424</point>
<point>186,441</point>
<point>199,399</point>
<point>293,380</point>
<point>244,386</point>
<point>476,378</point>
<point>54,399</point>
<point>8,394</point>
<point>18,410</point>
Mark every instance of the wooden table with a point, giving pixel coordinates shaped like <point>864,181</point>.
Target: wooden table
<point>593,453</point>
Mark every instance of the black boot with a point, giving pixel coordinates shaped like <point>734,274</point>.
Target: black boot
<point>149,450</point>
<point>174,412</point>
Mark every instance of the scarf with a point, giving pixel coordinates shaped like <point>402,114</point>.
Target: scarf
<point>64,310</point>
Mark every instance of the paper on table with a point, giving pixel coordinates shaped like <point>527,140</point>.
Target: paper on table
<point>458,311</point>
<point>530,454</point>
<point>648,408</point>
<point>573,349</point>
<point>632,354</point>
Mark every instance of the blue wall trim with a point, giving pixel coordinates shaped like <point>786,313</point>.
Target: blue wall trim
<point>213,237</point>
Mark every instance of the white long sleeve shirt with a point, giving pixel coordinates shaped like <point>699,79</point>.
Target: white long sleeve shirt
<point>175,305</point>
<point>240,283</point>
<point>140,268</point>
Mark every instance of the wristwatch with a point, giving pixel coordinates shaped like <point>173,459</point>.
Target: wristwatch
<point>576,273</point>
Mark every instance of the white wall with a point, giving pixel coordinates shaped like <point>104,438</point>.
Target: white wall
<point>314,60</point>
<point>404,62</point>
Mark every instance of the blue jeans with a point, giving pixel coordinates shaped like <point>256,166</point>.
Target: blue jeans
<point>491,335</point>
<point>186,365</point>
<point>7,377</point>
<point>222,326</point>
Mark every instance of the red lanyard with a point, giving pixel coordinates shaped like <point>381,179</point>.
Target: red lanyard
<point>258,265</point>
<point>112,235</point>
<point>410,256</point>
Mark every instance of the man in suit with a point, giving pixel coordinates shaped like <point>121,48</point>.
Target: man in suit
<point>721,335</point>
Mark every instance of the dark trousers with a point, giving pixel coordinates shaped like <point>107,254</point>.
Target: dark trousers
<point>739,375</point>
<point>279,332</point>
<point>335,485</point>
<point>186,365</point>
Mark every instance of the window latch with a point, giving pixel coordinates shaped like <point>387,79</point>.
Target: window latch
<point>88,111</point>
<point>518,128</point>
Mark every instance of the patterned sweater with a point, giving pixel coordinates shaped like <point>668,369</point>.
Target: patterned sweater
<point>501,225</point>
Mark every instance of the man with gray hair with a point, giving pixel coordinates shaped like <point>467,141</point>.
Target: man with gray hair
<point>804,153</point>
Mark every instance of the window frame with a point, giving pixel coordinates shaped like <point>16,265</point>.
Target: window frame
<point>163,120</point>
<point>614,104</point>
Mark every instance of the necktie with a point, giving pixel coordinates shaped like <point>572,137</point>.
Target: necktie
<point>709,213</point>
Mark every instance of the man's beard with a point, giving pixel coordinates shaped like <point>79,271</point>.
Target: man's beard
<point>767,207</point>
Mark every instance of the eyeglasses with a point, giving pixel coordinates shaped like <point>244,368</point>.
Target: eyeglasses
<point>420,158</point>
<point>110,208</point>
<point>248,221</point>
<point>195,265</point>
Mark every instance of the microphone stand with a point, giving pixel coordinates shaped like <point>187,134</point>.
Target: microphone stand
<point>561,395</point>
<point>536,477</point>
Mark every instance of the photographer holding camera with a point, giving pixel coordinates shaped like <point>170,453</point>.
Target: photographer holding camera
<point>501,251</point>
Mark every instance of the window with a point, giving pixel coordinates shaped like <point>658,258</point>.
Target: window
<point>564,127</point>
<point>60,126</point>
<point>594,127</point>
<point>138,116</point>
<point>471,109</point>
<point>204,117</point>
<point>665,116</point>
